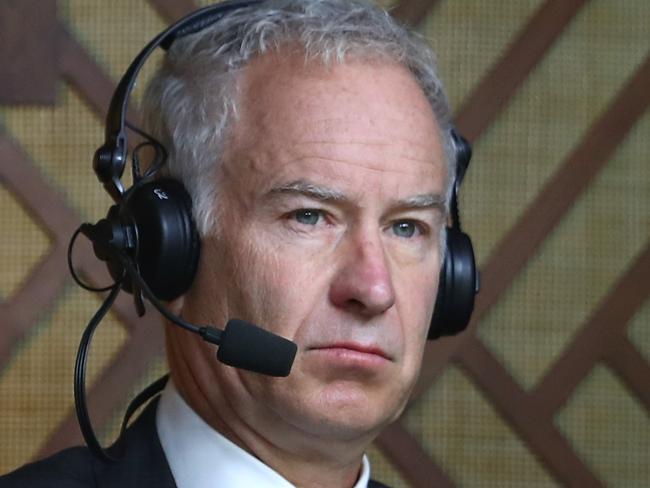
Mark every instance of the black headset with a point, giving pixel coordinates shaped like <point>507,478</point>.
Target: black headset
<point>459,276</point>
<point>152,224</point>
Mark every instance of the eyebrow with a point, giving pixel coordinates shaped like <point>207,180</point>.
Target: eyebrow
<point>322,193</point>
<point>308,189</point>
<point>427,200</point>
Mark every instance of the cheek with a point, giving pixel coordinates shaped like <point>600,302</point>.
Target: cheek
<point>295,289</point>
<point>256,279</point>
<point>416,291</point>
<point>276,287</point>
<point>416,309</point>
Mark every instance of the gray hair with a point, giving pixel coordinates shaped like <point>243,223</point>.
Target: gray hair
<point>191,101</point>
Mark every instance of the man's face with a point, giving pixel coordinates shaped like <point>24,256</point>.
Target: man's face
<point>330,215</point>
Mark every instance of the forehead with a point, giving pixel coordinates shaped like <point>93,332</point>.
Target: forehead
<point>368,116</point>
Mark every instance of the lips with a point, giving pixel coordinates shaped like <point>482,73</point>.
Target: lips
<point>352,349</point>
<point>358,348</point>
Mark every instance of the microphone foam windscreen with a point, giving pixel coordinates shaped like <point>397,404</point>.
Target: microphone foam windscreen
<point>247,346</point>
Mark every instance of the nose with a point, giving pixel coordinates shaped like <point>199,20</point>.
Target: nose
<point>363,283</point>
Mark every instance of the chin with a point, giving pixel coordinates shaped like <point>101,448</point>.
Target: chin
<point>347,414</point>
<point>352,428</point>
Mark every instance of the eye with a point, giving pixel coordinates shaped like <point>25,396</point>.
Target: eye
<point>307,216</point>
<point>405,229</point>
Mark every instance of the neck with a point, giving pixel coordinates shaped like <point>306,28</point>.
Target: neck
<point>303,459</point>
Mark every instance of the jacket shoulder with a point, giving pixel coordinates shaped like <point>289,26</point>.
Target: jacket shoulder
<point>139,463</point>
<point>70,468</point>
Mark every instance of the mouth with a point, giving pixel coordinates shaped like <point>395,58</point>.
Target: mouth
<point>352,354</point>
<point>349,346</point>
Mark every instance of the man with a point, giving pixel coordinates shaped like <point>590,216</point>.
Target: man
<point>313,137</point>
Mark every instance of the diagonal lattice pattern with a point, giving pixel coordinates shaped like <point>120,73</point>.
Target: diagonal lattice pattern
<point>553,94</point>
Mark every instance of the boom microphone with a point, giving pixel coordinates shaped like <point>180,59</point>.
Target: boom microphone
<point>246,346</point>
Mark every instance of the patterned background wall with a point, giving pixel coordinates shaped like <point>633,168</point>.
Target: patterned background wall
<point>551,384</point>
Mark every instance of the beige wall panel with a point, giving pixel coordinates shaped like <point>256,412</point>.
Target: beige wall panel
<point>61,140</point>
<point>609,429</point>
<point>469,439</point>
<point>556,105</point>
<point>470,36</point>
<point>36,386</point>
<point>112,32</point>
<point>22,245</point>
<point>576,266</point>
<point>639,331</point>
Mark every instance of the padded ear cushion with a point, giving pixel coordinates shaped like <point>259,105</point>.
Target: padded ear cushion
<point>457,287</point>
<point>167,242</point>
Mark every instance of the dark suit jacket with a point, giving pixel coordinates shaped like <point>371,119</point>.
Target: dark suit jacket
<point>142,464</point>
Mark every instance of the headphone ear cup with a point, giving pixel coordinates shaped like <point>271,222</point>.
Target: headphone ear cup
<point>457,287</point>
<point>167,242</point>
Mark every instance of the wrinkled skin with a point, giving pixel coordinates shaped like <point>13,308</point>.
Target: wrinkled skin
<point>330,213</point>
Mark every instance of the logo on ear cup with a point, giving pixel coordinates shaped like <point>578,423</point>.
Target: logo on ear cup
<point>160,194</point>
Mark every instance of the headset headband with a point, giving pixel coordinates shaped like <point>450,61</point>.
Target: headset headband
<point>110,158</point>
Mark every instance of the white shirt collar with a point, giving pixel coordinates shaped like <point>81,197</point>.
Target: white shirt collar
<point>200,457</point>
